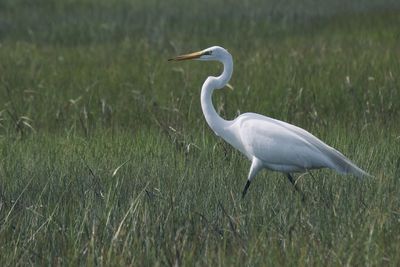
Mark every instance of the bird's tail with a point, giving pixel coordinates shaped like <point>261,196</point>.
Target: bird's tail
<point>344,165</point>
<point>355,170</point>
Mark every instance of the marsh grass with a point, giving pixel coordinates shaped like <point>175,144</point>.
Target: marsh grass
<point>107,160</point>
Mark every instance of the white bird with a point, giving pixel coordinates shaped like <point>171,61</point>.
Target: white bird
<point>268,143</point>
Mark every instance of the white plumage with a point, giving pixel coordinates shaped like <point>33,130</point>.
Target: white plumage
<point>267,142</point>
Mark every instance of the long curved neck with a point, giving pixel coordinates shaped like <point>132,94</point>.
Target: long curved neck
<point>216,122</point>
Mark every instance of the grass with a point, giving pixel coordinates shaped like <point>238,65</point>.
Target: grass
<point>107,160</point>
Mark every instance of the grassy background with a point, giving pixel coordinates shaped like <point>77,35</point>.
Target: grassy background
<point>107,160</point>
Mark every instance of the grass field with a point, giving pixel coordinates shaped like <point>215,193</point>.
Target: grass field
<point>106,159</point>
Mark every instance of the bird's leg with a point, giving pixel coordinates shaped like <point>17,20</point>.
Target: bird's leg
<point>291,179</point>
<point>245,188</point>
<point>256,165</point>
<point>311,174</point>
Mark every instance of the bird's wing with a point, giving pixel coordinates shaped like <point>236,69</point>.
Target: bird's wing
<point>276,145</point>
<point>279,143</point>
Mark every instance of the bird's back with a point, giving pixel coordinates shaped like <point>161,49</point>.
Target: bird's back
<point>284,147</point>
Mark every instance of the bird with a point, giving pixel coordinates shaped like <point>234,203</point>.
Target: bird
<point>268,143</point>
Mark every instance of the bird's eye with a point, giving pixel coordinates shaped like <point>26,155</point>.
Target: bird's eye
<point>207,53</point>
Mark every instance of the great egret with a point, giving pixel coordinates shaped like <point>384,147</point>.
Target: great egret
<point>268,143</point>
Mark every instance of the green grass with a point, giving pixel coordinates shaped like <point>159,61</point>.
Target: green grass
<point>107,160</point>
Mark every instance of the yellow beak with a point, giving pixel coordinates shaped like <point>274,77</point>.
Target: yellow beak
<point>187,56</point>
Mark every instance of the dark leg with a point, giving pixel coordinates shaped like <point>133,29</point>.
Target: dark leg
<point>256,165</point>
<point>245,188</point>
<point>290,177</point>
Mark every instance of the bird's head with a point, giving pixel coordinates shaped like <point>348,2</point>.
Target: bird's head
<point>212,53</point>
